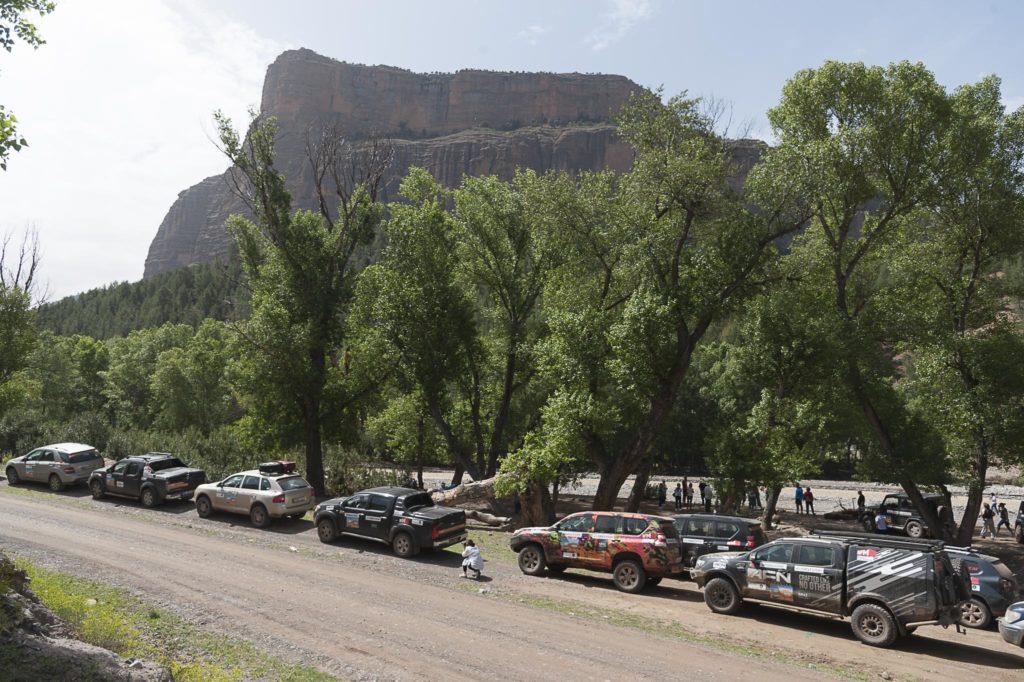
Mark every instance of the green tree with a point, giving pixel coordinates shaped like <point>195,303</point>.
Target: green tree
<point>128,383</point>
<point>18,268</point>
<point>15,26</point>
<point>301,266</point>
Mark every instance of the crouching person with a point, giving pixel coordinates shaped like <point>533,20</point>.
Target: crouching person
<point>472,562</point>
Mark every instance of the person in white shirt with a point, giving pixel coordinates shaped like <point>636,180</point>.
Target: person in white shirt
<point>709,493</point>
<point>881,523</point>
<point>471,560</point>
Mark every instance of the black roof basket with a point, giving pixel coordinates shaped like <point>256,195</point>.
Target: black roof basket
<point>881,540</point>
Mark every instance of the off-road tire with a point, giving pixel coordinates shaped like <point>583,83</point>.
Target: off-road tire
<point>868,525</point>
<point>56,485</point>
<point>259,516</point>
<point>629,576</point>
<point>722,597</point>
<point>532,561</point>
<point>149,498</point>
<point>974,613</point>
<point>12,476</point>
<point>874,625</point>
<point>204,507</point>
<point>403,545</point>
<point>326,530</point>
<point>914,529</point>
<point>96,488</point>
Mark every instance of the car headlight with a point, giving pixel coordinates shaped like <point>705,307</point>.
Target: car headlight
<point>1014,614</point>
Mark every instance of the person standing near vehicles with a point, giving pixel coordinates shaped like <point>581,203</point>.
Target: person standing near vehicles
<point>662,494</point>
<point>1004,518</point>
<point>988,525</point>
<point>799,499</point>
<point>860,501</point>
<point>809,501</point>
<point>703,486</point>
<point>689,496</point>
<point>708,493</point>
<point>881,524</point>
<point>677,494</point>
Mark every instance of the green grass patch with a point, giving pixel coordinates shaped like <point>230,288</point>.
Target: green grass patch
<point>493,546</point>
<point>107,617</point>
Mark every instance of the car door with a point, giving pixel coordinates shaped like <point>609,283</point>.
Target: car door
<point>247,493</point>
<point>355,513</point>
<point>770,573</point>
<point>818,577</point>
<point>227,493</point>
<point>698,539</point>
<point>132,479</point>
<point>27,468</point>
<point>49,463</point>
<point>115,477</point>
<point>573,533</point>
<point>377,519</point>
<point>598,551</point>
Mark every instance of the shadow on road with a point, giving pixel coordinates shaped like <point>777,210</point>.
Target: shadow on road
<point>70,491</point>
<point>669,588</point>
<point>368,546</point>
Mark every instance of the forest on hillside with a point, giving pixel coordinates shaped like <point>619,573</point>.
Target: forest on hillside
<point>545,326</point>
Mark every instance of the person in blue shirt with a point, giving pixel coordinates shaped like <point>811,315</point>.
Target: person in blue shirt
<point>799,499</point>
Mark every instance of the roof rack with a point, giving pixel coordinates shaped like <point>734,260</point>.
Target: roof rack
<point>882,540</point>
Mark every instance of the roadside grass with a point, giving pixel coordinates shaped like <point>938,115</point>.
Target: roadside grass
<point>107,617</point>
<point>493,546</point>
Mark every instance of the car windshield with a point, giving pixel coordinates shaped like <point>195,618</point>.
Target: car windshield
<point>84,456</point>
<point>419,500</point>
<point>169,463</point>
<point>292,483</point>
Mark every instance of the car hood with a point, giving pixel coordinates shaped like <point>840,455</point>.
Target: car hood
<point>720,555</point>
<point>533,530</point>
<point>14,460</point>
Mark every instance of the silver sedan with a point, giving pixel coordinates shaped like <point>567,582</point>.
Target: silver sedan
<point>261,495</point>
<point>58,465</point>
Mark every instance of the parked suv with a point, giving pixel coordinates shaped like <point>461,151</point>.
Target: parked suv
<point>1018,526</point>
<point>637,549</point>
<point>887,587</point>
<point>58,465</point>
<point>993,587</point>
<point>264,494</point>
<point>701,534</point>
<point>901,514</point>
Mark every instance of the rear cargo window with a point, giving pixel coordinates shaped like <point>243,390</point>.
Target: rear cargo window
<point>704,528</point>
<point>667,529</point>
<point>726,530</point>
<point>292,483</point>
<point>418,500</point>
<point>79,457</point>
<point>169,463</point>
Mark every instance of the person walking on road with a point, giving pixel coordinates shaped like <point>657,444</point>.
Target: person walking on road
<point>662,494</point>
<point>988,524</point>
<point>1004,519</point>
<point>799,499</point>
<point>677,494</point>
<point>709,493</point>
<point>809,501</point>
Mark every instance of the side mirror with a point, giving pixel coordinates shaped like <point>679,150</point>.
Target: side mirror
<point>221,484</point>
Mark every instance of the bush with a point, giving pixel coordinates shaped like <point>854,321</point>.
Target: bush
<point>347,472</point>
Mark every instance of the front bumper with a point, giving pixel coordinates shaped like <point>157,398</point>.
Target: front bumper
<point>1012,633</point>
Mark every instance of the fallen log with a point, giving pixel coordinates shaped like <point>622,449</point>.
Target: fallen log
<point>473,493</point>
<point>488,519</point>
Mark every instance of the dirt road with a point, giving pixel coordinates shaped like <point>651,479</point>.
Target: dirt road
<point>354,610</point>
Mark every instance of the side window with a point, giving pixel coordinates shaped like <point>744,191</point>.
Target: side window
<point>264,484</point>
<point>379,503</point>
<point>702,528</point>
<point>725,530</point>
<point>120,467</point>
<point>233,481</point>
<point>357,502</point>
<point>577,524</point>
<point>608,523</point>
<point>133,469</point>
<point>781,553</point>
<point>905,503</point>
<point>46,456</point>
<point>251,483</point>
<point>816,555</point>
<point>634,526</point>
<point>891,502</point>
<point>34,456</point>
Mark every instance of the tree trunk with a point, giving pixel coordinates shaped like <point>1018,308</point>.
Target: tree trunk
<point>975,495</point>
<point>608,486</point>
<point>314,446</point>
<point>636,496</point>
<point>770,504</point>
<point>537,507</point>
<point>457,475</point>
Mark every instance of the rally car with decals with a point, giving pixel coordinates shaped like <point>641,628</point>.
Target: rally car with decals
<point>993,586</point>
<point>405,518</point>
<point>152,478</point>
<point>637,549</point>
<point>269,492</point>
<point>887,587</point>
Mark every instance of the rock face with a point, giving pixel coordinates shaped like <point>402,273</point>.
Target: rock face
<point>467,123</point>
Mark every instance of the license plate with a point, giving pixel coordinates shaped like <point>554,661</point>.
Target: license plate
<point>298,500</point>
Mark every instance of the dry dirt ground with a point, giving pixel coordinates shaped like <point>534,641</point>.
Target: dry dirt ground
<point>354,610</point>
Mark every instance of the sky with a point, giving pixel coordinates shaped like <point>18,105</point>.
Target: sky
<point>117,105</point>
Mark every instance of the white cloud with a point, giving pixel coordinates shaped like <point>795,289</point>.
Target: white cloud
<point>532,34</point>
<point>617,20</point>
<point>117,111</point>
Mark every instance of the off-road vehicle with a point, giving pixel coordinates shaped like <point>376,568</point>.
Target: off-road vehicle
<point>270,492</point>
<point>58,465</point>
<point>701,534</point>
<point>637,549</point>
<point>902,516</point>
<point>887,587</point>
<point>152,479</point>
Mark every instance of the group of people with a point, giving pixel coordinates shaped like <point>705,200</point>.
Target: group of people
<point>990,510</point>
<point>683,495</point>
<point>804,499</point>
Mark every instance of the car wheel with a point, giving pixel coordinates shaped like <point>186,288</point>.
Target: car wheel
<point>149,498</point>
<point>914,529</point>
<point>629,576</point>
<point>326,530</point>
<point>12,476</point>
<point>974,613</point>
<point>869,525</point>
<point>1018,533</point>
<point>558,569</point>
<point>203,507</point>
<point>56,485</point>
<point>96,488</point>
<point>258,516</point>
<point>873,625</point>
<point>403,545</point>
<point>531,560</point>
<point>721,596</point>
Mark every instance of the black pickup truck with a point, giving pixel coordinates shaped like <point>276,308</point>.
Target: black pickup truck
<point>404,518</point>
<point>151,478</point>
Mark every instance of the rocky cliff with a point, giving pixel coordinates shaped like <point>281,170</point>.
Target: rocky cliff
<point>470,122</point>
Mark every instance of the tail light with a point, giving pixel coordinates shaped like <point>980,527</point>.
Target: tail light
<point>278,499</point>
<point>434,533</point>
<point>660,540</point>
<point>751,543</point>
<point>68,470</point>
